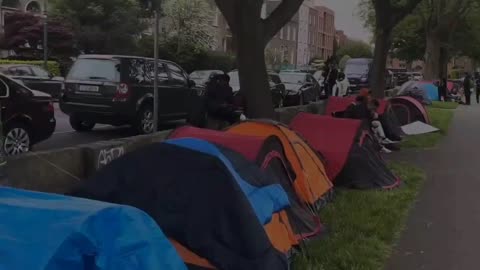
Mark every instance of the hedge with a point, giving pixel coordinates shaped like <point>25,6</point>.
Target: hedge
<point>53,66</point>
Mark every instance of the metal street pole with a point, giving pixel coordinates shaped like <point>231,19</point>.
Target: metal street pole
<point>45,35</point>
<point>155,81</point>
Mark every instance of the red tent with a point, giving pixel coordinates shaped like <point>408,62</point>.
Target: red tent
<point>390,124</point>
<point>349,150</point>
<point>409,110</point>
<point>340,104</point>
<point>248,146</point>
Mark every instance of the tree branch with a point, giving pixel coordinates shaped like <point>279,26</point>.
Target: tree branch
<point>399,13</point>
<point>279,17</point>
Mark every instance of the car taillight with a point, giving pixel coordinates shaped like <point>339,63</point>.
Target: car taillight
<point>122,94</point>
<point>49,107</point>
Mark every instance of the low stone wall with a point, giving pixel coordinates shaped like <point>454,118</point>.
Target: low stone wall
<point>61,171</point>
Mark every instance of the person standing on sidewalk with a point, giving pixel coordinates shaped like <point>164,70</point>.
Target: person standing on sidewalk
<point>467,85</point>
<point>477,86</point>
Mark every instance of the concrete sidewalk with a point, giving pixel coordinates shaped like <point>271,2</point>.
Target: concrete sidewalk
<point>443,230</point>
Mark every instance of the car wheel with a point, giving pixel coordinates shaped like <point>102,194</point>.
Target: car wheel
<point>17,140</point>
<point>145,120</point>
<point>81,125</point>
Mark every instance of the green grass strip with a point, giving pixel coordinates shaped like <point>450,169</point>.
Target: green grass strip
<point>363,226</point>
<point>444,105</point>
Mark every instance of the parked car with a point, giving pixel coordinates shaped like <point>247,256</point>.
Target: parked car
<point>200,77</point>
<point>402,77</point>
<point>118,90</point>
<point>416,76</point>
<point>275,86</point>
<point>359,71</point>
<point>35,77</point>
<point>302,88</point>
<point>27,116</point>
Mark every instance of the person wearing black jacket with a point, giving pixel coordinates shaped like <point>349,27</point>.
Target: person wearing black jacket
<point>477,87</point>
<point>220,101</point>
<point>467,85</point>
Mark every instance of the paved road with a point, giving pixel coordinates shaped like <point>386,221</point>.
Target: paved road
<point>443,231</point>
<point>65,136</point>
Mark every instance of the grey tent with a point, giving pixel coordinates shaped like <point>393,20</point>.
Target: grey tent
<point>414,89</point>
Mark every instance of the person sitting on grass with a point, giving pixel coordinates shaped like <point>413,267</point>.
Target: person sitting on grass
<point>364,109</point>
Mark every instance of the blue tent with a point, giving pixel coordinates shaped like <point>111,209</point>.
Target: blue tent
<point>430,89</point>
<point>264,200</point>
<point>53,232</point>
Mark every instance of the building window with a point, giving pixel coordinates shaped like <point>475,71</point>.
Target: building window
<point>281,33</point>
<point>216,18</point>
<point>294,34</point>
<point>288,33</point>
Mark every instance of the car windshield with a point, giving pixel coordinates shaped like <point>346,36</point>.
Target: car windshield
<point>356,69</point>
<point>95,70</point>
<point>234,79</point>
<point>292,77</point>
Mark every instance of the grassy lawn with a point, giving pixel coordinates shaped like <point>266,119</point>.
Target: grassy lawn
<point>441,119</point>
<point>363,226</point>
<point>444,105</point>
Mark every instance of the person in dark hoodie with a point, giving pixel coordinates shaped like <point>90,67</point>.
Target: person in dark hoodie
<point>467,85</point>
<point>477,86</point>
<point>220,101</point>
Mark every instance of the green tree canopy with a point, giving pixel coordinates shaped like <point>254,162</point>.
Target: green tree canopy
<point>103,26</point>
<point>355,49</point>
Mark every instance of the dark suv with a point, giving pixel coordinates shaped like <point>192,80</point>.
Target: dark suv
<point>27,116</point>
<point>118,90</point>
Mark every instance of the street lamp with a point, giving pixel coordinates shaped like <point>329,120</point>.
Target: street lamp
<point>155,81</point>
<point>155,5</point>
<point>45,35</point>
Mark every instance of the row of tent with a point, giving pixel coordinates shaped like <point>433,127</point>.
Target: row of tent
<point>244,198</point>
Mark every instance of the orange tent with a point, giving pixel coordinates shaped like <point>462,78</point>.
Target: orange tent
<point>311,182</point>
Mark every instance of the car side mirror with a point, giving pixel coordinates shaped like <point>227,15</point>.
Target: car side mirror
<point>191,83</point>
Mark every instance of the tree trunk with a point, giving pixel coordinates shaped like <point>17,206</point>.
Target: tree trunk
<point>253,76</point>
<point>444,59</point>
<point>382,46</point>
<point>432,57</point>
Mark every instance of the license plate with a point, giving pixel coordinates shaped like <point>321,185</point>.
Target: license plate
<point>353,85</point>
<point>88,88</point>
